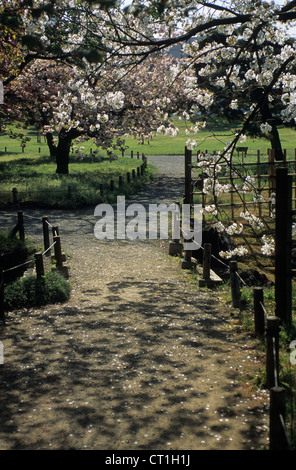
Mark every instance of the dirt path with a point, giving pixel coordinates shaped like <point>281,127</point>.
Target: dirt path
<point>139,358</point>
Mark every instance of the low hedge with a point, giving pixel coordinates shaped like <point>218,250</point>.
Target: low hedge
<point>28,292</point>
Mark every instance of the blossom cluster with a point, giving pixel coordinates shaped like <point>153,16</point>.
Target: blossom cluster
<point>239,251</point>
<point>268,247</point>
<point>236,59</point>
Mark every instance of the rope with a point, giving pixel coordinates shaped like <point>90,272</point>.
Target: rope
<point>245,284</point>
<point>48,223</point>
<point>274,361</point>
<point>263,308</point>
<point>30,261</point>
<point>217,259</point>
<point>49,248</point>
<point>37,218</point>
<point>18,266</point>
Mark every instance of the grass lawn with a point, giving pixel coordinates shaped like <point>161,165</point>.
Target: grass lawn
<point>32,171</point>
<point>211,140</point>
<point>33,174</point>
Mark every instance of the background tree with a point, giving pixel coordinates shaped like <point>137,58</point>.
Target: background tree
<point>242,52</point>
<point>239,49</point>
<point>70,103</point>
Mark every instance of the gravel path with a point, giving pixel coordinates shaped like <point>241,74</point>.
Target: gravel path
<point>139,358</point>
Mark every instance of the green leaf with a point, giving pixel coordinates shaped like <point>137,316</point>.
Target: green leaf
<point>10,21</point>
<point>32,42</point>
<point>104,4</point>
<point>91,55</point>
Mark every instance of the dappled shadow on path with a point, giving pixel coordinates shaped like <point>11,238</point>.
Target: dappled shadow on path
<point>120,375</point>
<point>135,360</point>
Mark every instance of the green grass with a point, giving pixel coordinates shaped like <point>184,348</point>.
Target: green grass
<point>35,178</point>
<point>32,172</point>
<point>213,138</point>
<point>210,139</point>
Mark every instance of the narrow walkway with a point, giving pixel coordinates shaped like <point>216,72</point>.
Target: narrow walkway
<point>139,358</point>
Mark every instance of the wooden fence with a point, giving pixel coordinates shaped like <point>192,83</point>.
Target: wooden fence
<point>262,168</point>
<point>268,328</point>
<point>38,263</point>
<point>278,181</point>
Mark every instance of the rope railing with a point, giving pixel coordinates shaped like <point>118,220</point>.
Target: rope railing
<point>265,326</point>
<point>38,262</point>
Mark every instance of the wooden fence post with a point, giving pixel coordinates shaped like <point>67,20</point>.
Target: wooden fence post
<point>235,287</point>
<point>277,413</point>
<point>60,257</point>
<point>283,246</point>
<point>144,160</point>
<point>21,228</point>
<point>14,195</point>
<point>39,265</point>
<point>55,231</point>
<point>175,245</point>
<point>206,280</point>
<point>207,261</point>
<point>259,311</point>
<point>58,251</point>
<point>272,351</point>
<point>46,242</point>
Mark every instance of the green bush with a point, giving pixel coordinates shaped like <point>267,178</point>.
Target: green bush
<point>29,291</point>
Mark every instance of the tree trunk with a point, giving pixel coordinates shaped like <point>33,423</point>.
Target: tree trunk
<point>276,143</point>
<point>52,147</point>
<point>63,152</point>
<point>275,140</point>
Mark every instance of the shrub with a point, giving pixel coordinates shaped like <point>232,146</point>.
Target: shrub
<point>32,292</point>
<point>14,252</point>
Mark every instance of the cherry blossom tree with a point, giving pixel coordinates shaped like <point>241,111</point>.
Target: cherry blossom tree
<point>244,56</point>
<point>241,52</point>
<point>74,104</point>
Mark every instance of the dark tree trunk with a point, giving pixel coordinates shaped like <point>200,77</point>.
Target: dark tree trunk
<point>63,152</point>
<point>52,147</point>
<point>276,143</point>
<point>266,116</point>
<point>275,140</point>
